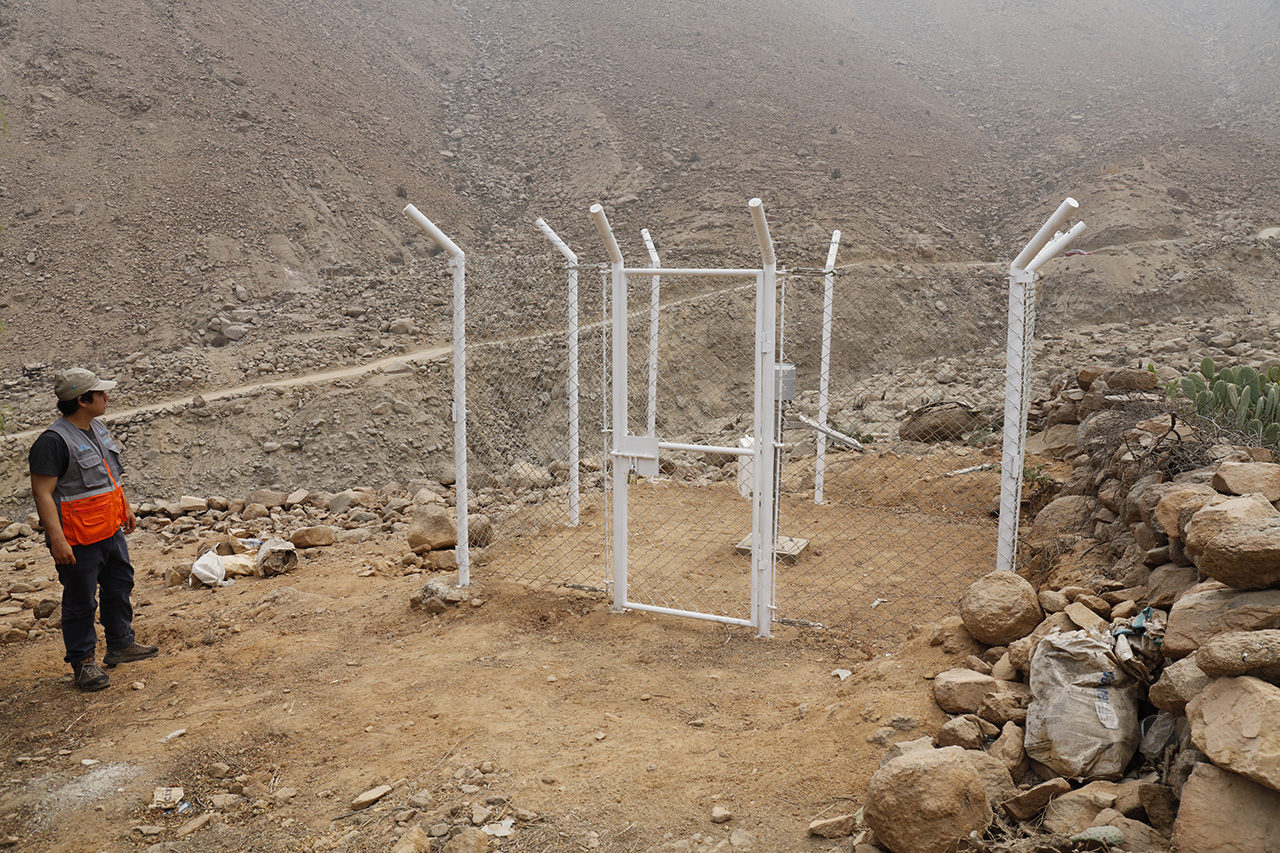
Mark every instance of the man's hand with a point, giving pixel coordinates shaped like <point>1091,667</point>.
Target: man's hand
<point>130,520</point>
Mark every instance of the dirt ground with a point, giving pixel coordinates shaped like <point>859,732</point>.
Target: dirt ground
<point>325,682</point>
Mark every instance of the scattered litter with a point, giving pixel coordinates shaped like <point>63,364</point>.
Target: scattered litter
<point>171,736</point>
<point>501,829</point>
<point>878,602</point>
<point>208,570</point>
<point>166,798</point>
<point>973,469</point>
<point>841,674</point>
<point>276,557</point>
<point>184,807</point>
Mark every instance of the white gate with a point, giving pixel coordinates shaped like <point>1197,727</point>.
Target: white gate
<point>635,466</point>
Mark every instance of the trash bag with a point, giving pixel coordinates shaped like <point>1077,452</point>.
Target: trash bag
<point>208,570</point>
<point>1083,718</point>
<point>275,557</point>
<point>239,565</point>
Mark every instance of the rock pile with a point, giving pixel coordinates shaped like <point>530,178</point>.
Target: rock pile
<point>263,520</point>
<point>1130,697</point>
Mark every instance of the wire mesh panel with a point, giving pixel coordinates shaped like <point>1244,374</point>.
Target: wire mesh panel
<point>520,436</point>
<point>892,534</point>
<point>693,384</point>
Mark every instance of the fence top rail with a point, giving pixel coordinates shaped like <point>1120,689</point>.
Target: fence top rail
<point>679,271</point>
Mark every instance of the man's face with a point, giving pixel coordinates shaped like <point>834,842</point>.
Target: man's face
<point>97,407</point>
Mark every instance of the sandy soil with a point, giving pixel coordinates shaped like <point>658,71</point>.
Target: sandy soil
<point>325,681</point>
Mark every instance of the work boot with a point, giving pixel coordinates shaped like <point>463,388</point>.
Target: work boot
<point>89,676</point>
<point>133,651</point>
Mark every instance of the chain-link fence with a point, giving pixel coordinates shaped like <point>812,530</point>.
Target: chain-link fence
<point>902,527</point>
<point>891,534</point>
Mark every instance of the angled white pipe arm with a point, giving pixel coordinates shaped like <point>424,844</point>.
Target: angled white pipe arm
<point>433,231</point>
<point>560,245</point>
<point>1055,247</point>
<point>606,233</point>
<point>762,230</point>
<point>1052,224</point>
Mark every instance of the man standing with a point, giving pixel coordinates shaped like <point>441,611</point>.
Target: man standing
<point>75,478</point>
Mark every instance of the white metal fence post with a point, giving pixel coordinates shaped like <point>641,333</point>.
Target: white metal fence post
<point>458,262</point>
<point>575,476</point>
<point>1020,343</point>
<point>619,300</point>
<point>824,379</point>
<point>763,514</point>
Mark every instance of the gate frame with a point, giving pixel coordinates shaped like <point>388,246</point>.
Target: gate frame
<point>640,453</point>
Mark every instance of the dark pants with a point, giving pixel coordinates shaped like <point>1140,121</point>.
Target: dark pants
<point>103,565</point>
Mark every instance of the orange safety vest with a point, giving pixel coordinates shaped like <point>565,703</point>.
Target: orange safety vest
<point>90,507</point>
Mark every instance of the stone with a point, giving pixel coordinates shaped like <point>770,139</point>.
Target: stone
<point>999,608</point>
<point>1009,749</point>
<point>369,797</point>
<point>1255,653</point>
<point>1167,512</point>
<point>1076,810</point>
<point>1098,838</point>
<point>526,475</point>
<point>1069,516</point>
<point>924,802</point>
<point>314,537</point>
<point>719,814</point>
<point>413,841</point>
<point>951,634</point>
<point>1030,803</point>
<point>1168,582</point>
<point>901,748</point>
<point>1052,601</point>
<point>1215,518</point>
<point>1179,682</point>
<point>468,840</point>
<point>1084,617</point>
<point>269,498</point>
<point>1242,478</point>
<point>960,731</point>
<point>1209,609</point>
<point>195,824</point>
<point>432,528</point>
<point>947,421</point>
<point>1207,824</point>
<point>1006,706</point>
<point>1159,804</point>
<point>961,691</point>
<point>345,500</point>
<point>1236,722</point>
<point>189,504</point>
<point>296,497</point>
<point>834,827</point>
<point>740,839</point>
<point>1059,441</point>
<point>995,777</point>
<point>1245,556</point>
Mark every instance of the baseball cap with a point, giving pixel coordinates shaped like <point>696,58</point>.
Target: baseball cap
<point>70,384</point>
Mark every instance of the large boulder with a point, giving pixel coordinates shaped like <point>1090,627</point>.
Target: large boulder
<point>1225,813</point>
<point>1216,518</point>
<point>1236,722</point>
<point>962,691</point>
<point>1179,683</point>
<point>947,421</point>
<point>999,608</point>
<point>1070,515</point>
<point>1255,653</point>
<point>1246,555</point>
<point>1211,609</point>
<point>1242,478</point>
<point>925,802</point>
<point>1169,509</point>
<point>432,528</point>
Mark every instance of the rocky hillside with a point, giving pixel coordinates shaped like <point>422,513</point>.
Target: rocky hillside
<point>197,195</point>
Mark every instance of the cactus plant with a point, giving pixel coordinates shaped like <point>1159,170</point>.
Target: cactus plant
<point>1240,397</point>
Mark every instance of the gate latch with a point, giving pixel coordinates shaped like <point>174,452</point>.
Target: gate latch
<point>637,453</point>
